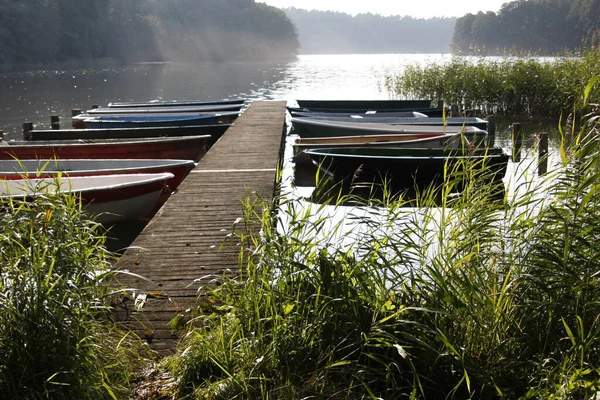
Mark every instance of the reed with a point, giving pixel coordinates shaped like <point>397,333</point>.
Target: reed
<point>512,86</point>
<point>489,293</point>
<point>56,335</point>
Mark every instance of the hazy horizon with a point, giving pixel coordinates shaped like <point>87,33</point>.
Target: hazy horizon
<point>421,9</point>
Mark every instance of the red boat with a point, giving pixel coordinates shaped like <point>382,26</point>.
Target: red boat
<point>180,148</point>
<point>19,169</point>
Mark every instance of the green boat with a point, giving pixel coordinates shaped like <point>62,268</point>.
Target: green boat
<point>407,167</point>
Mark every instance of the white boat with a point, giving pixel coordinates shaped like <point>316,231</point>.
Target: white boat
<point>19,169</point>
<point>105,198</point>
<point>406,140</point>
<point>419,140</point>
<point>306,127</point>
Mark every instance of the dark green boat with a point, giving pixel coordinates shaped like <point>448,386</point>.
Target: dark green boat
<point>407,168</point>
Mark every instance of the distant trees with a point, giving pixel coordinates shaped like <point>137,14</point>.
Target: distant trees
<point>334,32</point>
<point>44,31</point>
<point>537,26</point>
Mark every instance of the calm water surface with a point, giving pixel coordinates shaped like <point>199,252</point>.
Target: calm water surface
<point>35,96</point>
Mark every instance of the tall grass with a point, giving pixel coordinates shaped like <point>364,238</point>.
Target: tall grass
<point>483,296</point>
<point>56,338</point>
<point>511,86</point>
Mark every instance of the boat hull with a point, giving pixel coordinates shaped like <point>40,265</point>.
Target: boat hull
<point>310,128</point>
<point>390,113</point>
<point>179,148</point>
<point>429,121</point>
<point>407,168</point>
<point>364,104</point>
<point>120,121</point>
<point>18,169</point>
<point>107,199</point>
<point>215,132</point>
<point>166,110</point>
<point>433,140</point>
<point>174,103</point>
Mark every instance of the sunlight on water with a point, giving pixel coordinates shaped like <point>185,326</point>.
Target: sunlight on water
<point>35,96</point>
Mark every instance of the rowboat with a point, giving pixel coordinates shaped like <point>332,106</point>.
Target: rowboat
<point>364,104</point>
<point>365,115</point>
<point>165,110</point>
<point>422,140</point>
<point>390,113</point>
<point>174,103</point>
<point>19,169</point>
<point>178,148</point>
<point>145,121</point>
<point>405,168</point>
<point>306,127</point>
<point>429,121</point>
<point>215,132</point>
<point>419,140</point>
<point>105,198</point>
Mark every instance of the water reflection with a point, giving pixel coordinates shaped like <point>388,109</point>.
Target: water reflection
<point>35,96</point>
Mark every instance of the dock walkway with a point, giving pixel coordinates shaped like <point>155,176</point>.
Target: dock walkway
<point>181,248</point>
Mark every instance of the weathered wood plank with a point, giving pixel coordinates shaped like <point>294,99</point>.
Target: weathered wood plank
<point>188,244</point>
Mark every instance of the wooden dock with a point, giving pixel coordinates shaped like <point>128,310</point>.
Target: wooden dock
<point>184,246</point>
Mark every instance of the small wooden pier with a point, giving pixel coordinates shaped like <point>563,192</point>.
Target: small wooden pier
<point>186,245</point>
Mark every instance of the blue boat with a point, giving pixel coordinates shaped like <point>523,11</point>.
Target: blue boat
<point>158,121</point>
<point>174,103</point>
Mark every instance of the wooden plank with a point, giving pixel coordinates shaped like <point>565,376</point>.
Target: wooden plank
<point>189,243</point>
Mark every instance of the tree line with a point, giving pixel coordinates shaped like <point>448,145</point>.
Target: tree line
<point>45,31</point>
<point>326,32</point>
<point>534,26</point>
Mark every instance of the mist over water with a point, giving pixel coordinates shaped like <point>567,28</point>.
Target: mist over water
<point>35,96</point>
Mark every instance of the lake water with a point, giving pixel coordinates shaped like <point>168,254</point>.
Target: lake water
<point>35,96</point>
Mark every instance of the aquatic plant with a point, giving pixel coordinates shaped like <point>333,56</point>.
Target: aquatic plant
<point>511,85</point>
<point>56,335</point>
<point>493,292</point>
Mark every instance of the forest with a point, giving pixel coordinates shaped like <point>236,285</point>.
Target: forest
<point>328,32</point>
<point>38,32</point>
<point>543,27</point>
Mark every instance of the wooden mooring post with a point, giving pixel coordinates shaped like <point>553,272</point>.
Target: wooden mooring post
<point>77,124</point>
<point>491,131</point>
<point>454,110</point>
<point>542,153</point>
<point>517,141</point>
<point>55,122</point>
<point>27,128</point>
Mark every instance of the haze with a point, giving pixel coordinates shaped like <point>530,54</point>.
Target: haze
<point>416,9</point>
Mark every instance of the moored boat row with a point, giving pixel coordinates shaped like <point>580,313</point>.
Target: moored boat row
<point>372,141</point>
<point>127,167</point>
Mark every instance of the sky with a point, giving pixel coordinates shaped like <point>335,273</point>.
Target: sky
<point>413,8</point>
